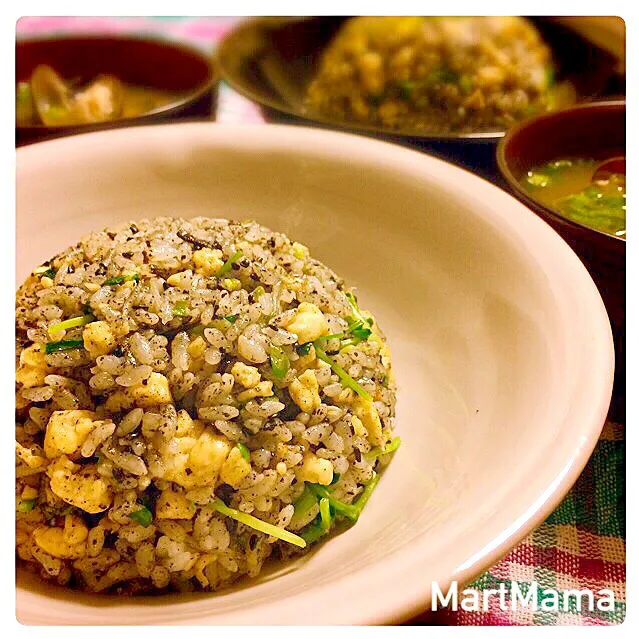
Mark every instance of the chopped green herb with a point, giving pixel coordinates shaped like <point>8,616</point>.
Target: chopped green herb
<point>443,75</point>
<point>228,265</point>
<point>304,503</point>
<point>258,524</point>
<point>70,323</point>
<point>64,345</point>
<point>304,349</point>
<point>231,318</point>
<point>347,510</point>
<point>180,308</point>
<point>358,315</point>
<point>335,479</point>
<point>144,517</point>
<point>351,511</point>
<point>313,531</point>
<point>406,89</point>
<point>362,500</point>
<point>325,513</point>
<point>279,362</point>
<point>25,505</point>
<point>50,273</point>
<point>258,291</point>
<point>549,76</point>
<point>347,380</point>
<point>465,84</point>
<point>378,451</point>
<point>120,279</point>
<point>244,451</point>
<point>360,330</point>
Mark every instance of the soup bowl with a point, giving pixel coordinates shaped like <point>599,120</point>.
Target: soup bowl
<point>499,339</point>
<point>592,131</point>
<point>145,62</point>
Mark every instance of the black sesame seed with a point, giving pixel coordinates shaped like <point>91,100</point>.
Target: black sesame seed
<point>252,542</point>
<point>127,254</point>
<point>194,241</point>
<point>134,229</point>
<point>111,235</point>
<point>224,492</point>
<point>255,277</point>
<point>71,269</point>
<point>358,454</point>
<point>235,266</point>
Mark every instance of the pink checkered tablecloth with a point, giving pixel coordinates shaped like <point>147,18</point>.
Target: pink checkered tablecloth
<point>582,544</point>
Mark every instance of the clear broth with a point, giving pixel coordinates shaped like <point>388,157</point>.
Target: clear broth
<point>567,186</point>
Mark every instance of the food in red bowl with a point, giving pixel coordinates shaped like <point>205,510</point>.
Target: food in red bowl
<point>569,167</point>
<point>80,83</point>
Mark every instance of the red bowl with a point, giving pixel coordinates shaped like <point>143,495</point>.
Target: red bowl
<point>160,64</point>
<point>596,130</point>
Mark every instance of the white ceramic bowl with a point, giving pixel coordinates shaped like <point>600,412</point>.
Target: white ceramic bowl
<point>500,342</point>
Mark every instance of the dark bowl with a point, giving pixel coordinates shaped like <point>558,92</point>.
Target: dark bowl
<point>158,64</point>
<point>272,60</point>
<point>598,131</point>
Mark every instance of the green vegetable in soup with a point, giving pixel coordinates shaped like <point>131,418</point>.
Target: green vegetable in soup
<point>567,186</point>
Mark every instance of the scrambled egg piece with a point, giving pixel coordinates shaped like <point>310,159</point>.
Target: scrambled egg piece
<point>184,423</point>
<point>118,402</point>
<point>33,366</point>
<point>316,470</point>
<point>29,492</point>
<point>300,251</point>
<point>248,376</point>
<point>80,486</point>
<point>208,261</point>
<point>98,338</point>
<point>66,431</point>
<point>263,389</point>
<point>235,468</point>
<point>304,361</point>
<point>28,457</point>
<point>197,347</point>
<point>173,505</point>
<point>360,431</point>
<point>365,410</point>
<point>304,391</point>
<point>155,391</point>
<point>195,456</point>
<point>308,323</point>
<point>65,543</point>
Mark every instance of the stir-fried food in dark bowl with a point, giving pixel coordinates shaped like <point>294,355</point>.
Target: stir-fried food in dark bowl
<point>436,73</point>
